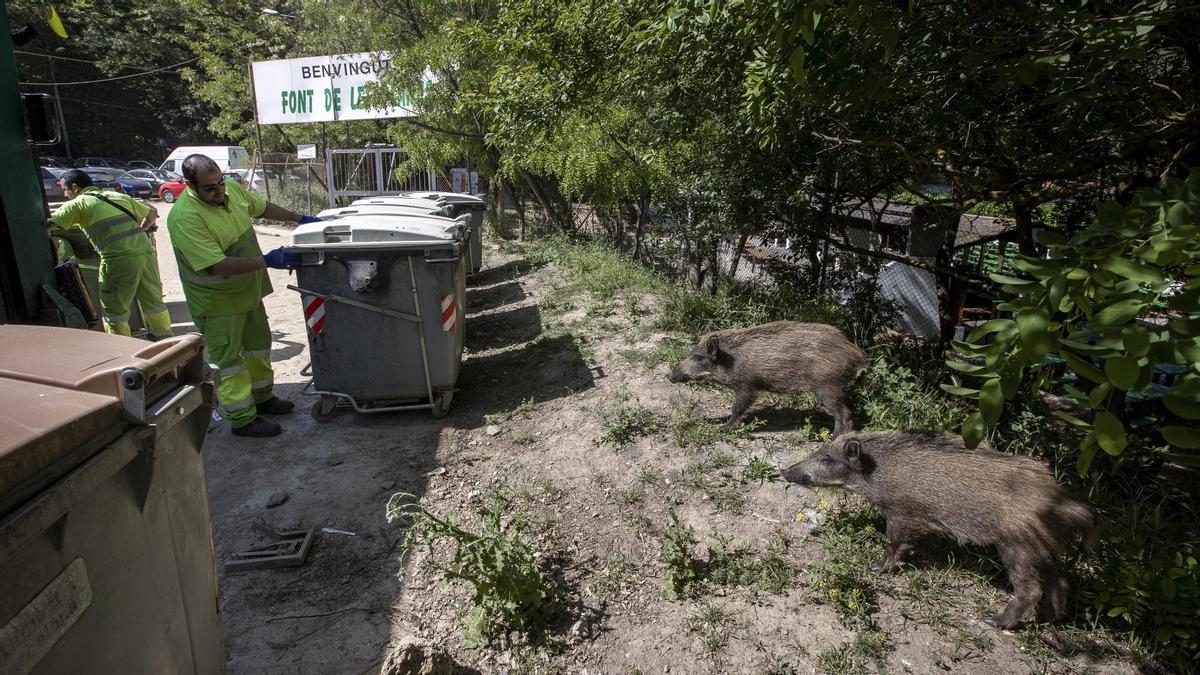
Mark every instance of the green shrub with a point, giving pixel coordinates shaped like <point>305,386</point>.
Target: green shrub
<point>624,421</point>
<point>681,574</point>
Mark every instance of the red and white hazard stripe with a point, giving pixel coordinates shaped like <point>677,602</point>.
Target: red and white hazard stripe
<point>449,312</point>
<point>314,313</point>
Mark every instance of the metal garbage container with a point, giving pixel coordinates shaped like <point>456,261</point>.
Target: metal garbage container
<point>419,207</point>
<point>106,555</point>
<point>460,204</point>
<point>383,298</point>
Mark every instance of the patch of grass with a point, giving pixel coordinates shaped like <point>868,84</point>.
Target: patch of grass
<point>524,439</point>
<point>861,656</point>
<point>714,626</point>
<point>928,595</point>
<point>854,542</point>
<point>761,470</point>
<point>715,478</point>
<point>647,476</point>
<point>510,591</point>
<point>691,431</point>
<point>624,421</point>
<point>522,410</point>
<point>731,565</point>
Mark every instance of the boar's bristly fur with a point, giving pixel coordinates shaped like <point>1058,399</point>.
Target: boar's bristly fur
<point>784,357</point>
<point>928,482</point>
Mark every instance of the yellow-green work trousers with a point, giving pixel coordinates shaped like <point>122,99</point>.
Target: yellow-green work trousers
<point>125,278</point>
<point>239,348</point>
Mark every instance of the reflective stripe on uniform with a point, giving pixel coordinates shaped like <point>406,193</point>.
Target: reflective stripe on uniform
<point>233,370</point>
<point>203,279</point>
<point>153,310</point>
<point>262,384</point>
<point>111,239</point>
<point>100,227</point>
<point>116,318</point>
<point>257,353</point>
<point>238,405</point>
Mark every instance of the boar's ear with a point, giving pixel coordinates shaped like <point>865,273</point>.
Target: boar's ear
<point>853,453</point>
<point>712,346</point>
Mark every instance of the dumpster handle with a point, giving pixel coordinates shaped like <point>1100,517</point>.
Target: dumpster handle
<point>412,273</point>
<point>441,261</point>
<point>386,311</point>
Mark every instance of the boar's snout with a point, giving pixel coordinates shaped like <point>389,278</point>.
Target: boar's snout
<point>677,376</point>
<point>796,474</point>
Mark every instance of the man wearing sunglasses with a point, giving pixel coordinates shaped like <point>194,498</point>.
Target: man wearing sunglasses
<point>224,274</point>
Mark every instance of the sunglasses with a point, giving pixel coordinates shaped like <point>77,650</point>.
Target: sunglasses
<point>211,188</point>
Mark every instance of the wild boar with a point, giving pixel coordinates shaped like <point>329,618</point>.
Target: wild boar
<point>928,482</point>
<point>784,357</point>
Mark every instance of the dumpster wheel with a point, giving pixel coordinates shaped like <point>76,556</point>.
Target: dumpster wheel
<point>441,404</point>
<point>322,410</point>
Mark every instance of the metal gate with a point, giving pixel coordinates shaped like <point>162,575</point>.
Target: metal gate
<point>370,172</point>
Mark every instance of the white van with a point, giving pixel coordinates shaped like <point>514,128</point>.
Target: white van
<point>228,157</point>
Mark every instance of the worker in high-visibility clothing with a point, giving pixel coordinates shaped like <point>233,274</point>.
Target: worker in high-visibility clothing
<point>224,274</point>
<point>117,226</point>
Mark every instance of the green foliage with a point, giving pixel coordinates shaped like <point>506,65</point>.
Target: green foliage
<point>509,588</point>
<point>861,656</point>
<point>1083,305</point>
<point>898,390</point>
<point>854,543</point>
<point>1142,576</point>
<point>681,573</point>
<point>623,421</point>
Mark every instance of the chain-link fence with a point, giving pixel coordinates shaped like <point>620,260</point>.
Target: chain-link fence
<point>300,185</point>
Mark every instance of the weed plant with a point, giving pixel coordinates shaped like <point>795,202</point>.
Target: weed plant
<point>509,589</point>
<point>624,421</point>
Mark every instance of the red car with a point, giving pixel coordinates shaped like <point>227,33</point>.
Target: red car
<point>170,190</point>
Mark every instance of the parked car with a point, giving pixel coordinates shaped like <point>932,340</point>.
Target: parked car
<point>116,179</point>
<point>170,190</point>
<point>99,162</point>
<point>151,176</point>
<point>132,185</point>
<point>56,162</point>
<point>50,183</point>
<point>102,178</point>
<point>139,164</point>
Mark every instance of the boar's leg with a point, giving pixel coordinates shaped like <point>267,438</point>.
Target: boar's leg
<point>837,408</point>
<point>900,534</point>
<point>742,400</point>
<point>1054,605</point>
<point>1026,573</point>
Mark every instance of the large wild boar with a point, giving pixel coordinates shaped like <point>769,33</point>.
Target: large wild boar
<point>784,357</point>
<point>928,482</point>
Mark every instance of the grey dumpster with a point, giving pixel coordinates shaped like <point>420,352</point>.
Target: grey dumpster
<point>106,555</point>
<point>419,208</point>
<point>383,295</point>
<point>460,204</point>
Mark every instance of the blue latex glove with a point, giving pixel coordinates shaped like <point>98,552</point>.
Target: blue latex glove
<point>309,219</point>
<point>282,259</point>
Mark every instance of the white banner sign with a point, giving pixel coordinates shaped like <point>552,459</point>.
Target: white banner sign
<point>306,151</point>
<point>321,89</point>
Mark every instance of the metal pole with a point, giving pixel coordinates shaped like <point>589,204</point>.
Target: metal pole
<point>62,119</point>
<point>258,133</point>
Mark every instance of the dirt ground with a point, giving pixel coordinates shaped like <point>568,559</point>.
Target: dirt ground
<point>527,416</point>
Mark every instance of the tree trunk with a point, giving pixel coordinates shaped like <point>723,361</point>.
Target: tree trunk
<point>538,194</point>
<point>1023,213</point>
<point>737,254</point>
<point>643,216</point>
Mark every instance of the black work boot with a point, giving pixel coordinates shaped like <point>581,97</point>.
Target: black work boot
<point>259,428</point>
<point>274,406</point>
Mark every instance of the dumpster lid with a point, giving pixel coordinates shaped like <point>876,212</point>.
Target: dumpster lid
<point>405,200</point>
<point>42,429</point>
<point>382,228</point>
<point>460,198</point>
<point>426,208</point>
<point>90,361</point>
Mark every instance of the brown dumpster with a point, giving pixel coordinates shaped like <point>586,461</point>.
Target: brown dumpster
<point>106,555</point>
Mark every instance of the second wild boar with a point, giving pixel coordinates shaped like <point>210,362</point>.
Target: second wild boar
<point>783,357</point>
<point>928,482</point>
